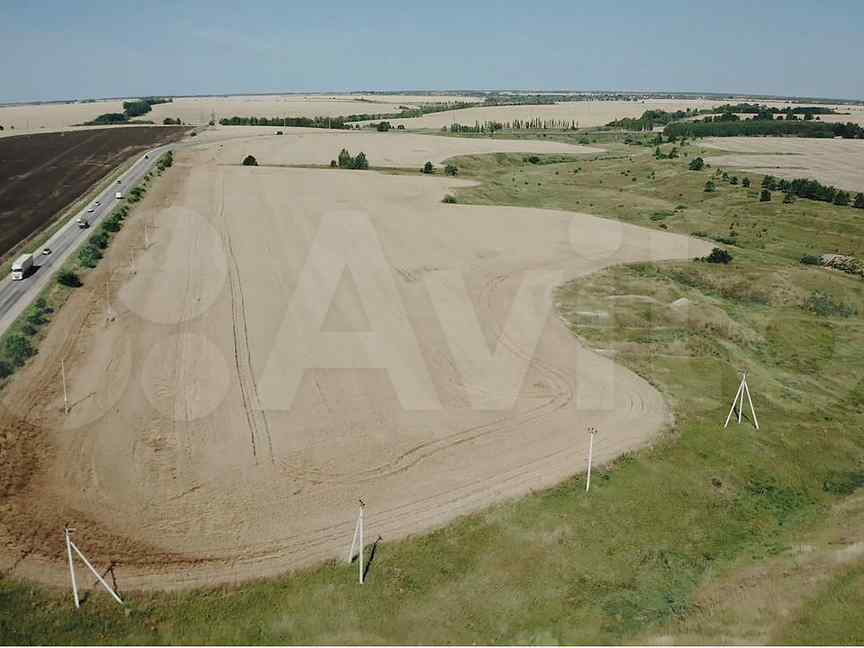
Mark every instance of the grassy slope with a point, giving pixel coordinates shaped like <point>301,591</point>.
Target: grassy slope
<point>633,557</point>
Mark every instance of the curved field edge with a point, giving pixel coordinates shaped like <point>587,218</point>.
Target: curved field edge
<point>557,565</point>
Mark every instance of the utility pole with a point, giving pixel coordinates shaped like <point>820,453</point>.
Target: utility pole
<point>65,395</point>
<point>591,432</point>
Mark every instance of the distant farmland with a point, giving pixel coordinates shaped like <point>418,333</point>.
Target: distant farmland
<point>41,174</point>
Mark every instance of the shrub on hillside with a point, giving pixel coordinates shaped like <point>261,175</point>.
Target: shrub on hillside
<point>89,256</point>
<point>824,305</point>
<point>69,279</point>
<point>718,255</point>
<point>18,349</point>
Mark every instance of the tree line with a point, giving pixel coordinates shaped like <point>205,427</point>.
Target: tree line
<point>756,127</point>
<point>134,108</point>
<point>812,190</point>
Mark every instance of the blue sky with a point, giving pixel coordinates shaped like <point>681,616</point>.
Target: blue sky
<point>53,49</point>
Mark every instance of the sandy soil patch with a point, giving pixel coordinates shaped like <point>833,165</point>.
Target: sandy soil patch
<point>198,450</point>
<point>831,161</point>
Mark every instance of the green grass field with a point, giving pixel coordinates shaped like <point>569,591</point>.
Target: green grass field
<point>635,559</point>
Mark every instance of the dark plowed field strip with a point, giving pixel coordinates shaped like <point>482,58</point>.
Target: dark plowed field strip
<point>41,174</point>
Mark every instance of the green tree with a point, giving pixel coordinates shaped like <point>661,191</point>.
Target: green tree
<point>696,164</point>
<point>765,196</point>
<point>18,349</point>
<point>89,256</point>
<point>360,162</point>
<point>5,368</point>
<point>788,198</point>
<point>859,201</point>
<point>841,198</point>
<point>451,169</point>
<point>383,126</point>
<point>69,279</point>
<point>745,183</point>
<point>769,183</point>
<point>718,255</point>
<point>428,168</point>
<point>250,160</point>
<point>710,187</point>
<point>345,159</point>
<point>733,180</point>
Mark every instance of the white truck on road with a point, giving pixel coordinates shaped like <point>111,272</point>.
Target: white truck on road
<point>21,267</point>
<point>118,195</point>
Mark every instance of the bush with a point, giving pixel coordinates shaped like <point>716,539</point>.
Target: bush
<point>809,259</point>
<point>450,199</point>
<point>710,187</point>
<point>859,201</point>
<point>823,304</point>
<point>718,255</point>
<point>250,160</point>
<point>451,169</point>
<point>428,168</point>
<point>5,369</point>
<point>383,126</point>
<point>745,183</point>
<point>733,180</point>
<point>765,196</point>
<point>69,279</point>
<point>89,256</point>
<point>333,164</point>
<point>35,316</point>
<point>769,183</point>
<point>100,240</point>
<point>18,349</point>
<point>345,159</point>
<point>841,199</point>
<point>360,162</point>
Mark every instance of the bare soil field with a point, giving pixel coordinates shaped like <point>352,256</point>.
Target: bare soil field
<point>198,110</point>
<point>35,117</point>
<point>585,113</point>
<point>830,161</point>
<point>41,174</point>
<point>393,149</point>
<point>198,450</point>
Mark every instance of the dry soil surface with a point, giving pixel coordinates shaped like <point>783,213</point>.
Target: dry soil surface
<point>393,149</point>
<point>836,162</point>
<point>585,113</point>
<point>438,377</point>
<point>199,110</point>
